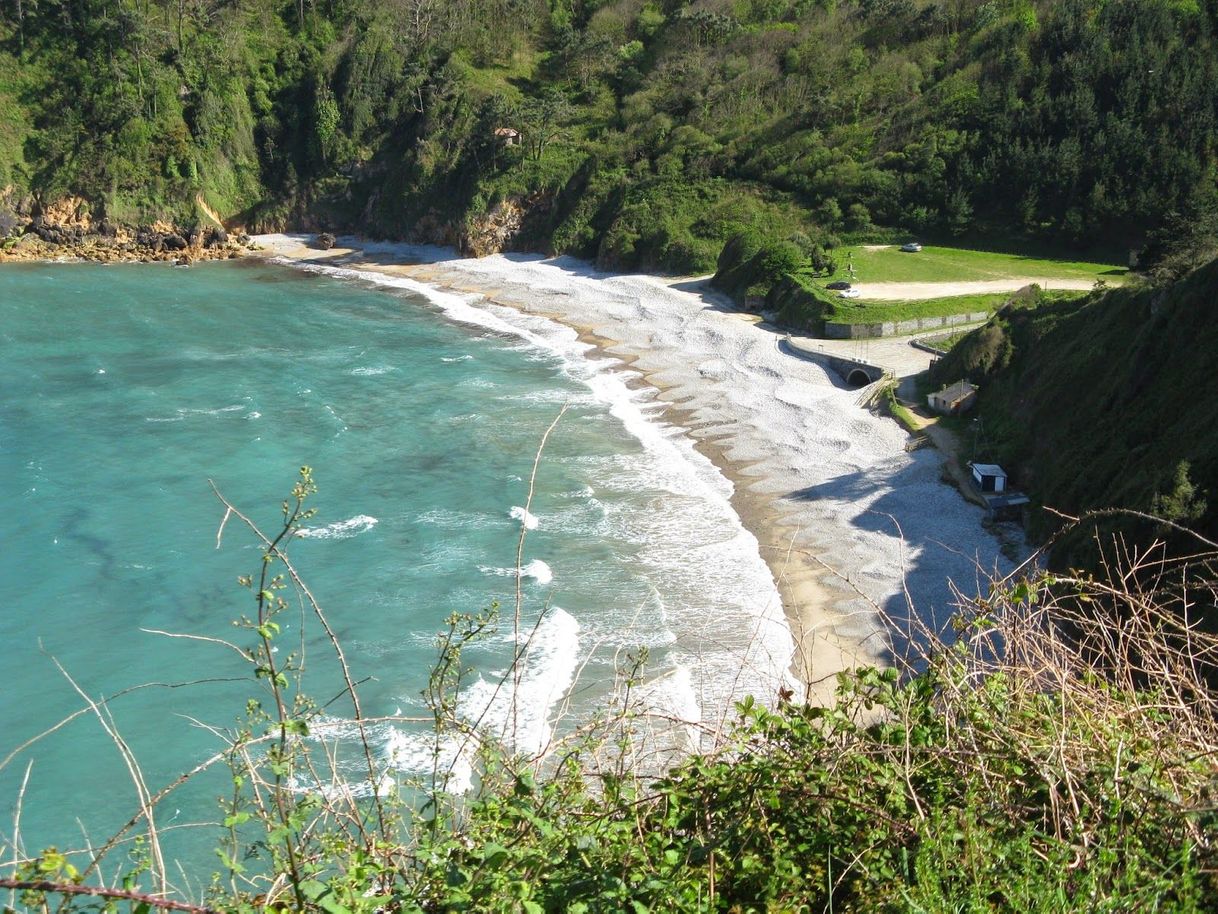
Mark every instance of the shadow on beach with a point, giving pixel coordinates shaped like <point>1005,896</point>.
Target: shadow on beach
<point>906,513</point>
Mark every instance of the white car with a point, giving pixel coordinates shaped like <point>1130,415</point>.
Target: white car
<point>849,293</point>
<point>911,247</point>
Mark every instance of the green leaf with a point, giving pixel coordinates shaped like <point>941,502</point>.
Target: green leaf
<point>494,854</point>
<point>229,862</point>
<point>323,896</point>
<point>237,818</point>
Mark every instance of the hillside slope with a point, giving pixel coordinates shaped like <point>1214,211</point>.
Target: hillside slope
<point>641,133</point>
<point>1104,402</point>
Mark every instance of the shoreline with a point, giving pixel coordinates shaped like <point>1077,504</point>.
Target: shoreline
<point>843,585</point>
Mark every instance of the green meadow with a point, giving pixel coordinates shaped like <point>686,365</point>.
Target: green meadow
<point>940,264</point>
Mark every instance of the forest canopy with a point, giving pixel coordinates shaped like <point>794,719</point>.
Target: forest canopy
<point>642,133</point>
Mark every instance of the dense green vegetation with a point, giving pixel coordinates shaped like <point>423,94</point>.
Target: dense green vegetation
<point>651,131</point>
<point>755,136</point>
<point>1104,402</point>
<point>1017,770</point>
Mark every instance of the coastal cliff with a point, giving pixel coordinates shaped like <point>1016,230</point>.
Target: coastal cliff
<point>66,229</point>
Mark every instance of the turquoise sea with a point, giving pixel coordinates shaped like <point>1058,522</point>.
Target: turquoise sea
<point>125,389</point>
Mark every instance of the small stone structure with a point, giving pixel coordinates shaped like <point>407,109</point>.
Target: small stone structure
<point>854,372</point>
<point>1001,501</point>
<point>953,399</point>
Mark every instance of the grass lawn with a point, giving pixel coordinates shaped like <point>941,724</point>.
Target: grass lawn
<point>936,264</point>
<point>947,343</point>
<point>861,311</point>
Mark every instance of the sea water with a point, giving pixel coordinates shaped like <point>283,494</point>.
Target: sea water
<point>128,392</point>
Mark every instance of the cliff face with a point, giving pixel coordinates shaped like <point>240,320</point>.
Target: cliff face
<point>1104,402</point>
<point>67,227</point>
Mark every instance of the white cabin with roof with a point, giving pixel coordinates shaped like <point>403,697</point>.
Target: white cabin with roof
<point>989,477</point>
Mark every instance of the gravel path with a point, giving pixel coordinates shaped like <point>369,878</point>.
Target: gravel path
<point>918,291</point>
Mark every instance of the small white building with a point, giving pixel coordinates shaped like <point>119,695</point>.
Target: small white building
<point>508,136</point>
<point>989,477</point>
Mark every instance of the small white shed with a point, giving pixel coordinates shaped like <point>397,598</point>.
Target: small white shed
<point>989,477</point>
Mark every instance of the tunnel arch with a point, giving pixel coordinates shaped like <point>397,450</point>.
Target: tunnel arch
<point>858,378</point>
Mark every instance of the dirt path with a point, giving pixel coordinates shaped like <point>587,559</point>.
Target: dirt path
<point>207,210</point>
<point>915,291</point>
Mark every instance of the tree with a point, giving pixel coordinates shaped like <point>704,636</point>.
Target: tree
<point>543,120</point>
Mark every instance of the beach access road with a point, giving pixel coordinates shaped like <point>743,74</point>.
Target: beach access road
<point>892,353</point>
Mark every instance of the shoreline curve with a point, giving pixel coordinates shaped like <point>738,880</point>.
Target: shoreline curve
<point>844,580</point>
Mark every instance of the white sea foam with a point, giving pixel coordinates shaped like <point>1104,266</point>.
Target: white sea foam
<point>372,371</point>
<point>527,519</point>
<point>184,413</point>
<point>516,709</point>
<point>741,647</point>
<point>539,571</point>
<point>340,530</point>
<point>535,570</point>
<point>455,520</point>
<point>458,358</point>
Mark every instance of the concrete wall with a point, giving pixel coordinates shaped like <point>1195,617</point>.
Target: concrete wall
<point>843,367</point>
<point>836,331</point>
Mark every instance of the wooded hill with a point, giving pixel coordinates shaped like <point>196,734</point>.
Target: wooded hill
<point>1105,401</point>
<point>649,132</point>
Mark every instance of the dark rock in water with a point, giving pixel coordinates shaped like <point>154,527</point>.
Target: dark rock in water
<point>325,241</point>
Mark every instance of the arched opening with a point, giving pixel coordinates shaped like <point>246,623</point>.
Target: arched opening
<point>858,378</point>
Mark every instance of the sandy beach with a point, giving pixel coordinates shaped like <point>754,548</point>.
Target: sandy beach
<point>860,535</point>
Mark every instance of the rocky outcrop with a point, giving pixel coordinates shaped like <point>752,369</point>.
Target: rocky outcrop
<point>493,231</point>
<point>15,208</point>
<point>68,229</point>
<point>72,215</point>
<point>509,223</point>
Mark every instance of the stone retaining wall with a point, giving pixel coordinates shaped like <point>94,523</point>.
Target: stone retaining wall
<point>835,331</point>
